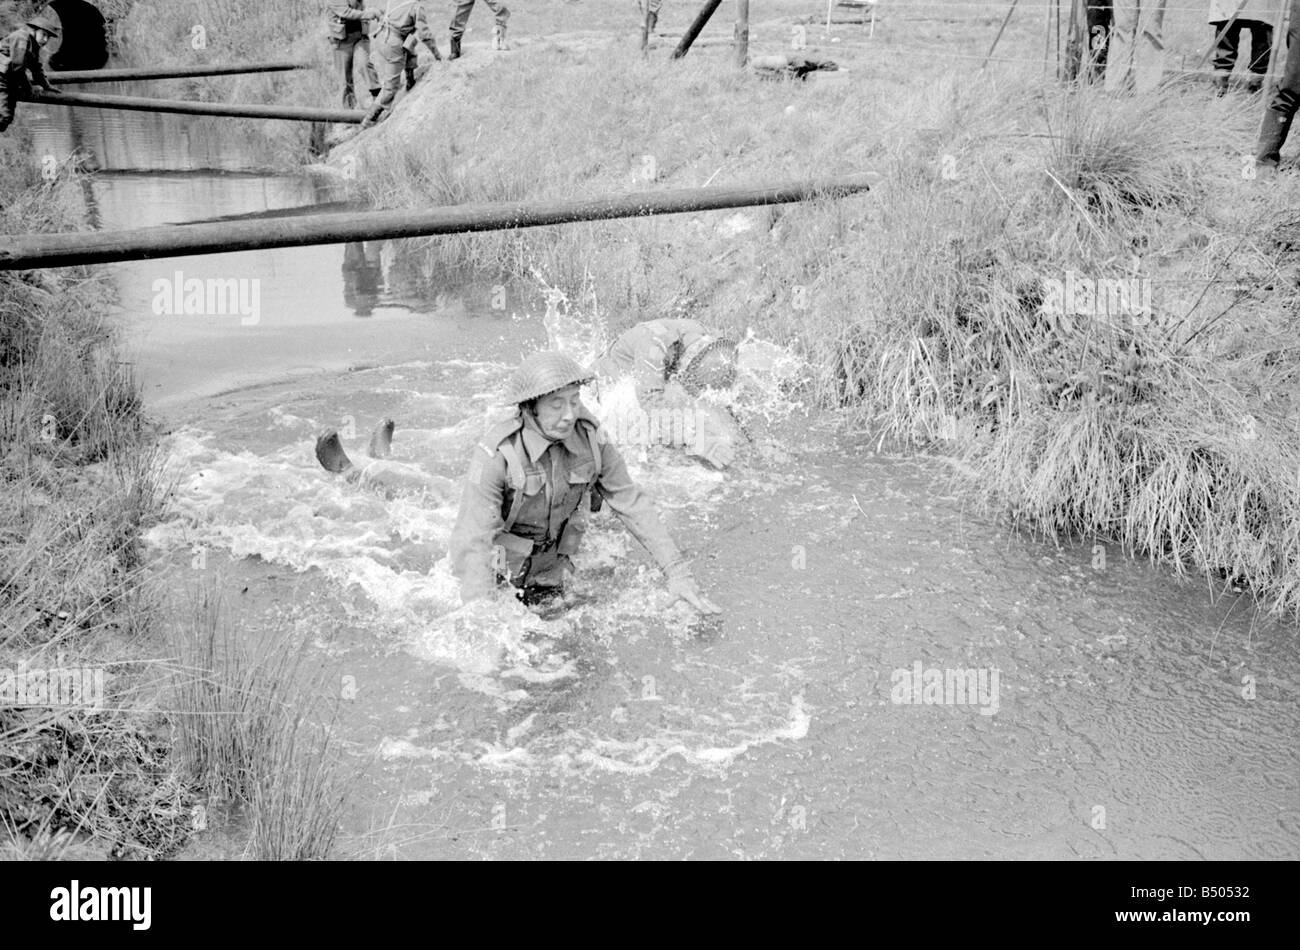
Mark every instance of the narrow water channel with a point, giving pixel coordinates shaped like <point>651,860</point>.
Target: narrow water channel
<point>1131,715</point>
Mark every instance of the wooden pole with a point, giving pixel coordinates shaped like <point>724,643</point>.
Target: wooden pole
<point>1001,30</point>
<point>645,29</point>
<point>701,18</point>
<point>175,72</point>
<point>1047,36</point>
<point>188,107</point>
<point>23,251</point>
<point>742,33</point>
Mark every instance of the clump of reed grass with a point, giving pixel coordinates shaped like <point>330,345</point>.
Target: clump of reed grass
<point>246,735</point>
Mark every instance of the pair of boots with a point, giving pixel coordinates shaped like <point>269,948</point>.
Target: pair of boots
<point>498,41</point>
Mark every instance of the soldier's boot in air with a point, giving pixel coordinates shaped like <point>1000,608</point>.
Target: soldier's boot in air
<point>381,441</point>
<point>499,37</point>
<point>454,52</point>
<point>330,454</point>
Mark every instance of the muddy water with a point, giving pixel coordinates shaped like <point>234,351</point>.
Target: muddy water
<point>1131,715</point>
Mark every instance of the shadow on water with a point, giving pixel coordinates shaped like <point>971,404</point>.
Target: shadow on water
<point>1110,710</point>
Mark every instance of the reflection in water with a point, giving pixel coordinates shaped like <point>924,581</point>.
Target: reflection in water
<point>362,276</point>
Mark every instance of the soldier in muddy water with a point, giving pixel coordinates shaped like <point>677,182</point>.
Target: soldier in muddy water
<point>522,512</point>
<point>672,362</point>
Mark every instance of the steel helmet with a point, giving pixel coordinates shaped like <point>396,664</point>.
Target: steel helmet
<point>43,21</point>
<point>544,372</point>
<point>708,363</point>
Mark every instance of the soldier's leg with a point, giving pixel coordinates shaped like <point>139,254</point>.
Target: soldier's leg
<point>1261,45</point>
<point>372,77</point>
<point>1286,98</point>
<point>409,69</point>
<point>344,56</point>
<point>1225,52</point>
<point>459,19</point>
<point>7,99</point>
<point>1099,15</point>
<point>389,68</point>
<point>1122,53</point>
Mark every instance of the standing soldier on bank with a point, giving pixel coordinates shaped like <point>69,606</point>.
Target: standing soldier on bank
<point>461,17</point>
<point>1282,106</point>
<point>402,25</point>
<point>20,56</point>
<point>1229,18</point>
<point>650,10</point>
<point>521,516</point>
<point>346,22</point>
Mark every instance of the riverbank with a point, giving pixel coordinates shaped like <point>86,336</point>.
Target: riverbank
<point>128,710</point>
<point>1076,294</point>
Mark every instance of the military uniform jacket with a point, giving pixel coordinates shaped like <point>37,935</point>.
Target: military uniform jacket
<point>401,19</point>
<point>344,19</point>
<point>646,352</point>
<point>556,478</point>
<point>19,53</point>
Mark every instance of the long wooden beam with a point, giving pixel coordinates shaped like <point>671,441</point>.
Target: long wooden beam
<point>173,72</point>
<point>188,107</point>
<point>696,26</point>
<point>23,251</point>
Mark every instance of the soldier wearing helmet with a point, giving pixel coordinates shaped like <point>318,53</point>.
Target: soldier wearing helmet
<point>658,351</point>
<point>522,513</point>
<point>663,355</point>
<point>20,56</point>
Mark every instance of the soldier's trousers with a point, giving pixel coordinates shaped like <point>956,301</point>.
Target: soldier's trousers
<point>1123,39</point>
<point>1286,98</point>
<point>1261,41</point>
<point>10,91</point>
<point>345,53</point>
<point>463,8</point>
<point>391,62</point>
<point>8,100</point>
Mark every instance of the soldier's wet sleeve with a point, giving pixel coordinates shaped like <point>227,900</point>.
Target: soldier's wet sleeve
<point>635,509</point>
<point>478,522</point>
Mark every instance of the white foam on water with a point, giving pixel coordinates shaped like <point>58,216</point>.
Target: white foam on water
<point>693,747</point>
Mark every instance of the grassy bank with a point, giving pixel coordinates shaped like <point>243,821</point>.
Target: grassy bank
<point>165,33</point>
<point>926,309</point>
<point>118,759</point>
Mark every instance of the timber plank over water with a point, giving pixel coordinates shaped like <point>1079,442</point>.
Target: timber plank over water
<point>171,72</point>
<point>189,107</point>
<point>19,252</point>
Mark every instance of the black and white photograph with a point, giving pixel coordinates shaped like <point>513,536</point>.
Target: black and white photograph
<point>648,431</point>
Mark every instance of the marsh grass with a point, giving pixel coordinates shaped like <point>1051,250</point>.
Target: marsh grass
<point>248,735</point>
<point>80,478</point>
